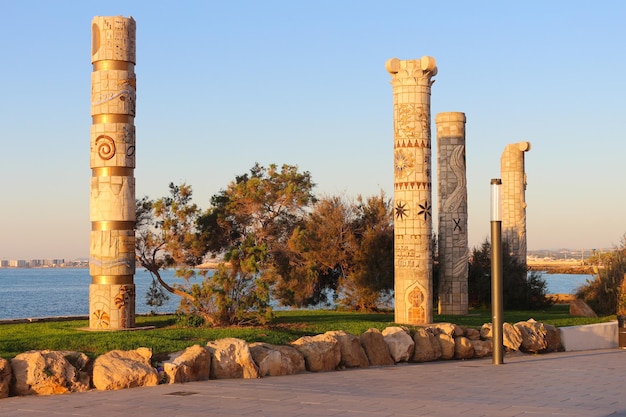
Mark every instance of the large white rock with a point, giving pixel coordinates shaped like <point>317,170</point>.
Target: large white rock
<point>482,348</point>
<point>427,346</point>
<point>375,348</point>
<point>46,372</point>
<point>450,329</point>
<point>191,364</point>
<point>231,358</point>
<point>321,352</point>
<point>400,342</point>
<point>553,338</point>
<point>120,369</point>
<point>511,336</point>
<point>533,336</point>
<point>463,348</point>
<point>352,353</point>
<point>447,345</point>
<point>275,360</point>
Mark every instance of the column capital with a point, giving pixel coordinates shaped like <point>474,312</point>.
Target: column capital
<point>412,72</point>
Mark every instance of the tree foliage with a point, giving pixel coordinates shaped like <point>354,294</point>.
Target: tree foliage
<point>249,224</point>
<point>166,236</point>
<point>273,240</point>
<point>521,290</point>
<point>341,247</point>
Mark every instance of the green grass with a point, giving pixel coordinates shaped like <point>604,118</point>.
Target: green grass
<point>287,326</point>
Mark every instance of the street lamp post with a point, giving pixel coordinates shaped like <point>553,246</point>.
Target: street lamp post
<point>496,270</point>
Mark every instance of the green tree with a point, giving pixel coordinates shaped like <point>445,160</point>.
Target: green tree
<point>520,289</point>
<point>344,247</point>
<point>372,272</point>
<point>249,224</point>
<point>167,236</point>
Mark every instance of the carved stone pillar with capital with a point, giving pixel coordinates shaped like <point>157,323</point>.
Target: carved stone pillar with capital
<point>112,161</point>
<point>411,82</point>
<point>513,175</point>
<point>453,243</point>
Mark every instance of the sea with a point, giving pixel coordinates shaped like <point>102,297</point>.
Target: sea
<point>58,292</point>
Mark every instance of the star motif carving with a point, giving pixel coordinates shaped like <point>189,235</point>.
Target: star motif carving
<point>425,208</point>
<point>401,210</point>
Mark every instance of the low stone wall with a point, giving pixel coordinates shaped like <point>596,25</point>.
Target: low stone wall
<point>590,336</point>
<point>55,372</point>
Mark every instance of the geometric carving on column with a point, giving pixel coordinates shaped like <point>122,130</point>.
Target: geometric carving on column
<point>112,161</point>
<point>453,241</point>
<point>513,176</point>
<point>411,84</point>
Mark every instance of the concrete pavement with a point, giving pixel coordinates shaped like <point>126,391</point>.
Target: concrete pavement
<point>584,383</point>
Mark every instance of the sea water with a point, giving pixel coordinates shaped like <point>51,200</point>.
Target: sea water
<point>53,292</point>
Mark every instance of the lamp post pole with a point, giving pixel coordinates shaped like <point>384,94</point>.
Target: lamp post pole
<point>496,270</point>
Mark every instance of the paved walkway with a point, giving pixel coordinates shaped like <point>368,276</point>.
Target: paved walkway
<point>588,383</point>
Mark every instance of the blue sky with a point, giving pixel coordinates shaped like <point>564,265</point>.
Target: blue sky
<point>222,85</point>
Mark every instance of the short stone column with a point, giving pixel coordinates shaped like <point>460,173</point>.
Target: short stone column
<point>112,157</point>
<point>452,209</point>
<point>411,82</point>
<point>513,176</point>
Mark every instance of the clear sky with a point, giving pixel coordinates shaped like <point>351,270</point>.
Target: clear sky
<point>224,84</point>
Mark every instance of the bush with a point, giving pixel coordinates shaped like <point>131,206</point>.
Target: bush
<point>602,292</point>
<point>189,320</point>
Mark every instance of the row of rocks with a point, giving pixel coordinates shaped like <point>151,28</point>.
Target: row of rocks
<point>57,372</point>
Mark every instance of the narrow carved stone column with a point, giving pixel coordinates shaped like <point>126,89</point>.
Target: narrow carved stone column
<point>411,82</point>
<point>453,246</point>
<point>112,157</point>
<point>514,199</point>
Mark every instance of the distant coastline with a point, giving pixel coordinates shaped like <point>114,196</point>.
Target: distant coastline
<point>549,267</point>
<point>560,266</point>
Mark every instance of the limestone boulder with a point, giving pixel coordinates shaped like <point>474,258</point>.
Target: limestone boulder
<point>463,348</point>
<point>274,360</point>
<point>578,307</point>
<point>450,329</point>
<point>120,369</point>
<point>191,364</point>
<point>482,348</point>
<point>321,352</point>
<point>46,372</point>
<point>376,348</point>
<point>511,336</point>
<point>231,358</point>
<point>400,342</point>
<point>5,377</point>
<point>427,346</point>
<point>533,336</point>
<point>447,345</point>
<point>352,353</point>
<point>553,338</point>
<point>472,334</point>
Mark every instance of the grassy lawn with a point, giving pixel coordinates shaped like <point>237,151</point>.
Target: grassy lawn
<point>287,326</point>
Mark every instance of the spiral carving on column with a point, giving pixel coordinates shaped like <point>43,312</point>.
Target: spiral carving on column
<point>457,165</point>
<point>105,146</point>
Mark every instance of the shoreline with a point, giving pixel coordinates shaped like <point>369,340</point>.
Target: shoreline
<point>560,267</point>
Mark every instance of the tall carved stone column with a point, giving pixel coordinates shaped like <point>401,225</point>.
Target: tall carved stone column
<point>514,199</point>
<point>453,245</point>
<point>112,157</point>
<point>411,82</point>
